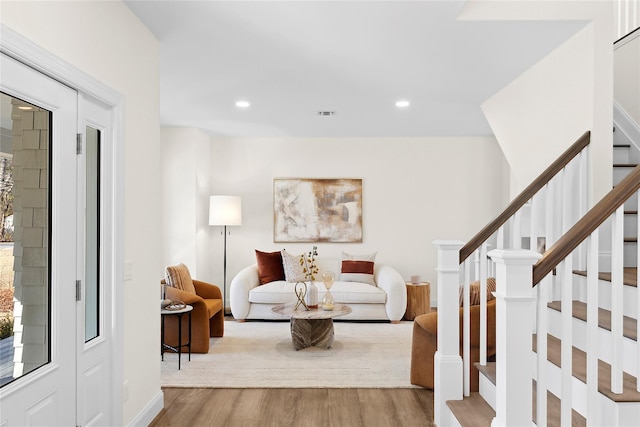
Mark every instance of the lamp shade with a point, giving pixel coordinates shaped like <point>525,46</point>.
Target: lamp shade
<point>225,210</point>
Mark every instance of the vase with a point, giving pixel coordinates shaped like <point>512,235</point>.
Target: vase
<point>311,298</point>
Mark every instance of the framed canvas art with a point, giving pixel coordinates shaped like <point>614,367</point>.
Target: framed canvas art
<point>317,210</point>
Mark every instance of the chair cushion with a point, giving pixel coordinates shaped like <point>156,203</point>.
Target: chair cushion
<point>270,266</point>
<point>474,291</point>
<point>178,276</point>
<point>213,306</point>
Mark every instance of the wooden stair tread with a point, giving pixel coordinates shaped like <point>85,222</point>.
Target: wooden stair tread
<point>554,409</point>
<point>631,212</point>
<point>629,275</point>
<point>604,318</point>
<point>467,410</point>
<point>489,370</point>
<point>630,239</point>
<point>621,145</point>
<point>625,165</point>
<point>579,365</point>
<point>472,411</point>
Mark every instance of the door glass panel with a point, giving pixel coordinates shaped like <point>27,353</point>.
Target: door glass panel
<point>25,171</point>
<point>92,243</point>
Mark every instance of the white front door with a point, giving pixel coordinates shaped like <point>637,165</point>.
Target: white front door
<point>42,388</point>
<point>94,322</point>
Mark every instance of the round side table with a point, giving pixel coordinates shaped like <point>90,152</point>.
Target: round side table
<point>177,348</point>
<point>418,299</point>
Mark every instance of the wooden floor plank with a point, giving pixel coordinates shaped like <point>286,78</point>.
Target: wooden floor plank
<point>296,407</point>
<point>604,318</point>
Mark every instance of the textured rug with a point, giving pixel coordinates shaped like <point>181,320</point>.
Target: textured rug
<point>261,355</point>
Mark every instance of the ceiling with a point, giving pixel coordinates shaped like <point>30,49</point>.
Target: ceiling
<point>292,59</point>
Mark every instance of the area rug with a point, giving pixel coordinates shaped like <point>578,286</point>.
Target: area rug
<point>261,355</point>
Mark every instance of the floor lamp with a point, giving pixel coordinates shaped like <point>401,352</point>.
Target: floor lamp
<point>225,211</point>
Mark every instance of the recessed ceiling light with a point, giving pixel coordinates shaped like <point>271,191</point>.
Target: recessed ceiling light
<point>243,104</point>
<point>25,107</point>
<point>402,103</point>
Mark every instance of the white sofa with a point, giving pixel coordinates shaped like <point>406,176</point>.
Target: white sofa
<point>386,301</point>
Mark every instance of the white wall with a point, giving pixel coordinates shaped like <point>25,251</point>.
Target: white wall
<point>186,187</point>
<point>414,191</point>
<point>626,86</point>
<point>106,41</point>
<point>543,111</point>
<point>549,107</point>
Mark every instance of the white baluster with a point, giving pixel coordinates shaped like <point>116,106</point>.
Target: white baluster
<point>466,331</point>
<point>483,304</point>
<point>593,417</point>
<point>514,320</point>
<point>638,281</point>
<point>516,231</point>
<point>500,238</point>
<point>448,380</point>
<point>617,263</point>
<point>542,329</point>
<point>583,200</point>
<point>566,352</point>
<point>533,223</point>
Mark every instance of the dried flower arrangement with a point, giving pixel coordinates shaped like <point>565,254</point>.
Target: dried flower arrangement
<point>308,262</point>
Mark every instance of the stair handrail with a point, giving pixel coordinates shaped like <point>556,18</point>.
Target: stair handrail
<point>526,194</point>
<point>587,225</point>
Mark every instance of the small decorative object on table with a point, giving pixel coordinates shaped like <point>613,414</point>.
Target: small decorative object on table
<point>328,302</point>
<point>308,294</point>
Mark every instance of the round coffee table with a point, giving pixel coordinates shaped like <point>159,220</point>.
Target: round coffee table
<point>313,327</point>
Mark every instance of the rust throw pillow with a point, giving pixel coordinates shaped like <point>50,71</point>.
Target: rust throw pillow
<point>178,276</point>
<point>269,266</point>
<point>357,271</point>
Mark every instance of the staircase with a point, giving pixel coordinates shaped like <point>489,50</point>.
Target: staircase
<point>602,335</point>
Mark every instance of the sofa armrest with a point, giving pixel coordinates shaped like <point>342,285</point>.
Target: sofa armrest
<point>241,284</point>
<point>207,290</point>
<point>389,280</point>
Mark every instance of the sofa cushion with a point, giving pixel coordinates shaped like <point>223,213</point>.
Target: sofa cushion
<point>282,292</point>
<point>178,276</point>
<point>278,292</point>
<point>356,293</point>
<point>358,268</point>
<point>270,266</point>
<point>293,270</point>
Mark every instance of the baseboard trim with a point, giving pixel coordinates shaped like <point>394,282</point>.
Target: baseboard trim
<point>149,412</point>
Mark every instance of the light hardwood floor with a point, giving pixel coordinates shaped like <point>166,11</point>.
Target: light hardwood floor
<point>296,407</point>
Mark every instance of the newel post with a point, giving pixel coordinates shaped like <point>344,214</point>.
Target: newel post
<point>514,326</point>
<point>447,382</point>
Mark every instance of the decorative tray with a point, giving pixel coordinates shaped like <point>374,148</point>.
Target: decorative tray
<point>174,306</point>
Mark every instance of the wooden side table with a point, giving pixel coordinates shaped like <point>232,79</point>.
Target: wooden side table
<point>418,299</point>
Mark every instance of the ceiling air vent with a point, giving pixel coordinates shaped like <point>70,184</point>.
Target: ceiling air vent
<point>326,113</point>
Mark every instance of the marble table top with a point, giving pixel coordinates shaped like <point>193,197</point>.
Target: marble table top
<point>313,313</point>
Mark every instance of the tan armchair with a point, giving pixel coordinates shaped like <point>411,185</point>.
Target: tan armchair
<point>425,342</point>
<point>207,317</point>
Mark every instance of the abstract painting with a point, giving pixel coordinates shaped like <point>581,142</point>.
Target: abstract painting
<point>317,210</point>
